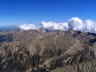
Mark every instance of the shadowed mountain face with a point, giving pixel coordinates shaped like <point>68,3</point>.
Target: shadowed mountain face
<point>39,51</point>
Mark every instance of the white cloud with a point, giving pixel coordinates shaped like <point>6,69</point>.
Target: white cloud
<point>55,25</point>
<point>28,26</point>
<point>90,26</point>
<point>74,23</point>
<point>82,25</point>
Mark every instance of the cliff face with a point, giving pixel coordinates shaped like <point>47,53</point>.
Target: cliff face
<point>37,51</point>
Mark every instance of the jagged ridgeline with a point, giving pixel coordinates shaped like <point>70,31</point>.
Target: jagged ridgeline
<point>38,51</point>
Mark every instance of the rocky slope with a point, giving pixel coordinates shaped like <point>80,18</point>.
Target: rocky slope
<point>38,51</point>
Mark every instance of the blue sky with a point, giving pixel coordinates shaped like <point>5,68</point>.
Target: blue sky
<point>34,11</point>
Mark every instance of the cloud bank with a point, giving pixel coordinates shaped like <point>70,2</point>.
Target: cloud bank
<point>28,27</point>
<point>82,25</point>
<point>55,26</point>
<point>74,23</point>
